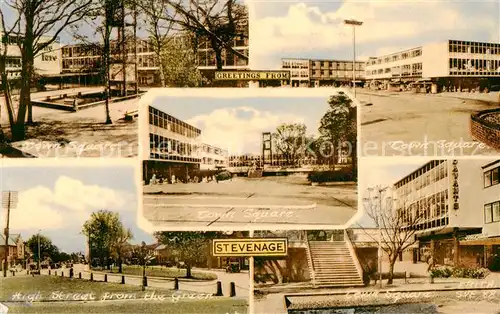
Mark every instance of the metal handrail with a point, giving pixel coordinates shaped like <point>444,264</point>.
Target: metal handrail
<point>309,259</point>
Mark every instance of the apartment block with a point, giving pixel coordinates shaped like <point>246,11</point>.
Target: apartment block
<point>446,66</point>
<point>322,72</point>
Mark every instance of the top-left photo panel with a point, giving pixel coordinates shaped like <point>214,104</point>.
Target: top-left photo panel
<point>73,72</point>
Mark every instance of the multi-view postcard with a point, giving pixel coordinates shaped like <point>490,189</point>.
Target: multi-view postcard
<point>230,159</point>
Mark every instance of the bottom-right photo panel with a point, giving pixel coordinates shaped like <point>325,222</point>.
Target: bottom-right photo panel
<point>427,240</point>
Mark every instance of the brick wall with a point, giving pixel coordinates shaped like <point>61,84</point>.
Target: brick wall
<point>487,133</point>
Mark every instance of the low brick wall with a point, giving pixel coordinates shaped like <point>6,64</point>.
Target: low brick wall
<point>486,131</point>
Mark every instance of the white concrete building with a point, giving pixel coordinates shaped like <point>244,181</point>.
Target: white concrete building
<point>212,158</point>
<point>449,65</point>
<point>47,62</point>
<point>460,201</point>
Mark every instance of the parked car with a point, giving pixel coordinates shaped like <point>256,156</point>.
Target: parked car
<point>495,88</point>
<point>233,267</point>
<point>169,264</point>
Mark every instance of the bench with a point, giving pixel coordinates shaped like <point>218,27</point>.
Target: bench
<point>131,115</point>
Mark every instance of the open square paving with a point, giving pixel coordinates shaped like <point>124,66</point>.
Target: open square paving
<point>409,124</point>
<point>243,201</point>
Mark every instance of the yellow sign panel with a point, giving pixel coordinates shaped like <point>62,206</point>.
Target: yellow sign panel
<point>250,247</point>
<point>252,75</point>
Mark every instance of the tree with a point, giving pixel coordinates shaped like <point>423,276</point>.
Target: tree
<point>47,248</point>
<point>397,221</point>
<point>216,22</point>
<point>39,18</point>
<point>144,256</point>
<point>339,126</point>
<point>188,245</point>
<point>105,233</point>
<point>119,245</point>
<point>290,140</point>
<point>178,65</point>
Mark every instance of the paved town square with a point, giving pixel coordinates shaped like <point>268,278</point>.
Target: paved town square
<point>244,201</point>
<point>404,124</point>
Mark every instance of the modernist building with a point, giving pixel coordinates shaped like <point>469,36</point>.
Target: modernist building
<point>458,201</point>
<point>320,72</point>
<point>175,149</point>
<point>46,63</point>
<point>451,65</point>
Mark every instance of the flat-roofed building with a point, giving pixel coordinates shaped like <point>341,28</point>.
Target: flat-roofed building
<point>212,157</point>
<point>457,199</point>
<point>452,65</point>
<point>322,72</point>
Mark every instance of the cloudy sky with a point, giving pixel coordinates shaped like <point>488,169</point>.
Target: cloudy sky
<point>236,124</point>
<point>315,29</point>
<point>58,200</point>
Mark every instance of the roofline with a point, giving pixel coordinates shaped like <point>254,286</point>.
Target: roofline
<point>422,166</point>
<point>491,164</point>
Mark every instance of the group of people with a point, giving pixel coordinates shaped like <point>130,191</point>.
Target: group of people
<point>173,179</point>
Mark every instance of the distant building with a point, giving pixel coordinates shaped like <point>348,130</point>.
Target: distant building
<point>451,65</point>
<point>16,249</point>
<point>322,72</point>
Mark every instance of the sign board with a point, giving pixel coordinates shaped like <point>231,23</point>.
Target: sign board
<point>250,247</point>
<point>252,75</point>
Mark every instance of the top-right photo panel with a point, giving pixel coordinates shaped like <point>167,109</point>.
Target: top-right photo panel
<point>427,73</point>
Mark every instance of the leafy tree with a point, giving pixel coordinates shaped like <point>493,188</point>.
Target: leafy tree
<point>189,245</point>
<point>106,235</point>
<point>338,126</point>
<point>119,246</point>
<point>178,65</point>
<point>290,140</point>
<point>47,249</point>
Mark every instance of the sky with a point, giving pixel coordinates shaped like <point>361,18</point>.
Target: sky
<point>383,172</point>
<point>315,29</point>
<point>236,124</point>
<point>58,200</point>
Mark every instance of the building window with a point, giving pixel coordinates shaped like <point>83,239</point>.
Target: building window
<point>492,212</point>
<point>491,177</point>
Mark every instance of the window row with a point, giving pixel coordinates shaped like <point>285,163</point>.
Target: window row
<point>491,177</point>
<point>165,121</point>
<point>473,65</point>
<point>160,144</point>
<point>396,57</point>
<point>492,212</point>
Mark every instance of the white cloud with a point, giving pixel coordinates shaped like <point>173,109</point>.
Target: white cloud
<point>239,129</point>
<point>307,28</point>
<point>69,202</point>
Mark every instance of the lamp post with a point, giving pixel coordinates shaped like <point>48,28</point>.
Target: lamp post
<point>354,23</point>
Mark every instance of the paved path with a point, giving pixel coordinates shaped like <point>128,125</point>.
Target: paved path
<point>242,202</point>
<point>241,280</point>
<point>82,133</point>
<point>431,122</point>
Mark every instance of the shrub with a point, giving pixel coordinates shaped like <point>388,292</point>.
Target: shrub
<point>223,175</point>
<point>459,272</point>
<point>343,175</point>
<point>494,263</point>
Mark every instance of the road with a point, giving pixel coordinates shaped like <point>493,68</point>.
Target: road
<point>432,122</point>
<point>241,280</point>
<point>242,202</point>
<point>79,134</point>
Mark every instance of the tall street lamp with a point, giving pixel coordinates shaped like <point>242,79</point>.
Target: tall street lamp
<point>354,23</point>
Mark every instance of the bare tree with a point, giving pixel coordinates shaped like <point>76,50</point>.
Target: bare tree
<point>218,22</point>
<point>6,32</point>
<point>42,21</point>
<point>144,256</point>
<point>397,222</point>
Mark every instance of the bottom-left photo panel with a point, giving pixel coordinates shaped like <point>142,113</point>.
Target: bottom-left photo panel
<point>71,244</point>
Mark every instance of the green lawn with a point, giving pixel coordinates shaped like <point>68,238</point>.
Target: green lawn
<point>164,272</point>
<point>49,288</point>
<point>222,306</point>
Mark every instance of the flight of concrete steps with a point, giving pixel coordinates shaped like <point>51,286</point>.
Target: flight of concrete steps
<point>333,264</point>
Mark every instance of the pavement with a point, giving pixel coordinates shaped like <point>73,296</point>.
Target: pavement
<point>243,202</point>
<point>241,280</point>
<point>83,133</point>
<point>409,124</point>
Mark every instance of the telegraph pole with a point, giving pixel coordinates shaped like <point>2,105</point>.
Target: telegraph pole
<point>9,200</point>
